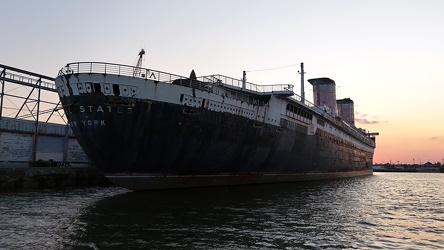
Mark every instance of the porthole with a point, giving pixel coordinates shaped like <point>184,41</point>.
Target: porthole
<point>88,87</point>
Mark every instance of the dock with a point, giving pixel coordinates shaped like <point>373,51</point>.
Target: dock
<point>49,177</point>
<point>37,146</point>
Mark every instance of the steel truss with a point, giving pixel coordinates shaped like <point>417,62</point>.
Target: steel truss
<point>30,96</point>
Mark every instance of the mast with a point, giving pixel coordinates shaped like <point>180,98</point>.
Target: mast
<point>244,80</point>
<point>302,82</point>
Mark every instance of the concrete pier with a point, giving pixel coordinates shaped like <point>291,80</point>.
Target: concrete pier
<point>49,177</point>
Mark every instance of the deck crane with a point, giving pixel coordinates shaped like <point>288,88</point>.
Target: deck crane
<point>136,71</point>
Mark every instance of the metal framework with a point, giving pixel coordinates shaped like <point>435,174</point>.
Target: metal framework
<point>30,96</point>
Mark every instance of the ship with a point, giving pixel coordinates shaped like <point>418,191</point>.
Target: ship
<point>147,129</point>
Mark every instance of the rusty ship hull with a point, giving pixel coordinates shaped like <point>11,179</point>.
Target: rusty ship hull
<point>145,132</point>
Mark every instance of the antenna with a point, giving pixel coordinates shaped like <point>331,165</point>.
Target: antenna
<point>302,82</point>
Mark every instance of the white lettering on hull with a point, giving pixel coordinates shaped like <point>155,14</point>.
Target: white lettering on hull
<point>95,123</point>
<point>104,109</point>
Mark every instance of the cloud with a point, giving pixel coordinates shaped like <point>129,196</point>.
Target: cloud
<point>361,118</point>
<point>434,138</point>
<point>365,121</point>
<point>359,114</point>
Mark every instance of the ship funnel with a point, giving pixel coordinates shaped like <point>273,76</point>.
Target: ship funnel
<point>324,93</point>
<point>346,109</point>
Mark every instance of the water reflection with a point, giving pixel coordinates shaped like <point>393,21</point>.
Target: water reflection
<point>303,215</point>
<point>44,219</point>
<point>398,211</point>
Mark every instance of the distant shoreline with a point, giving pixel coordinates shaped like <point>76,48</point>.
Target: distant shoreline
<point>407,171</point>
<point>408,168</point>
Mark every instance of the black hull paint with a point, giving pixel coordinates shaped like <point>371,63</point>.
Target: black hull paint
<point>142,144</point>
<point>143,182</point>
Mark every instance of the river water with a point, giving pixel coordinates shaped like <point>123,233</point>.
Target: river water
<point>383,211</point>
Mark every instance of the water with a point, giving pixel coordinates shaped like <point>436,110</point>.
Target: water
<point>383,211</point>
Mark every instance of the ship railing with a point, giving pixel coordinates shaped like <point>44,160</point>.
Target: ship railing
<point>305,102</point>
<point>126,70</point>
<point>206,83</point>
<point>356,132</point>
<point>361,134</point>
<point>238,84</point>
<point>318,109</point>
<point>350,128</point>
<point>131,71</point>
<point>119,69</point>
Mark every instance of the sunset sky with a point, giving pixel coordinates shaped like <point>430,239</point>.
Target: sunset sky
<point>386,55</point>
